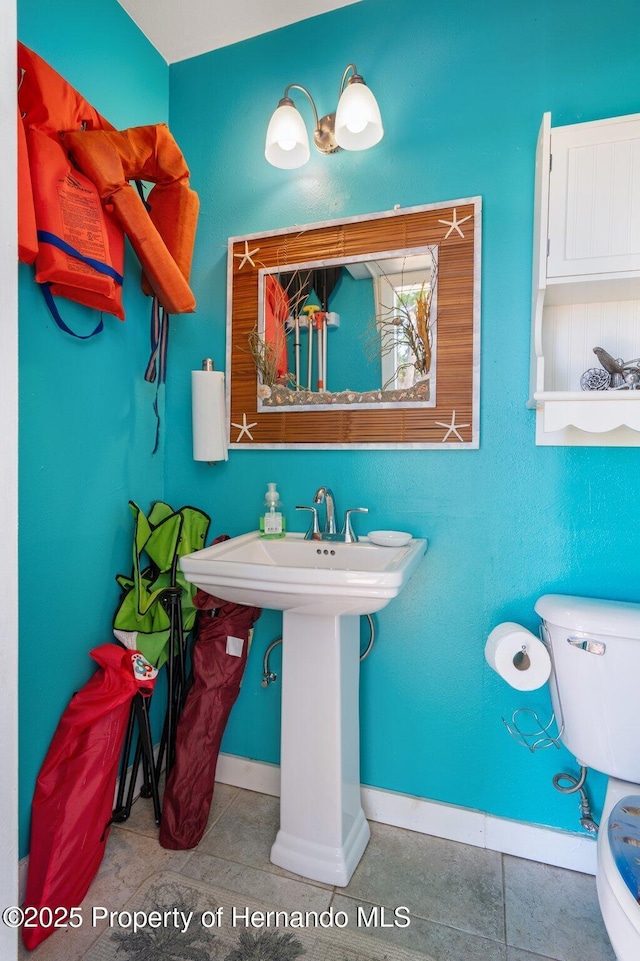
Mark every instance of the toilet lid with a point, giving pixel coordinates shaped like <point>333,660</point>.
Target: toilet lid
<point>624,841</point>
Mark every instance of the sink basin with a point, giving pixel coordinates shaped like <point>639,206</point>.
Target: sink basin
<point>294,574</point>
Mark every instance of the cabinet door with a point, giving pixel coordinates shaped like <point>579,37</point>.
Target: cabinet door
<point>594,198</point>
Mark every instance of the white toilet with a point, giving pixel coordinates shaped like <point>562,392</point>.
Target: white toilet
<point>595,690</point>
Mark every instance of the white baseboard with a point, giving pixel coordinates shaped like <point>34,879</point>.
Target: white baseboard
<point>564,849</point>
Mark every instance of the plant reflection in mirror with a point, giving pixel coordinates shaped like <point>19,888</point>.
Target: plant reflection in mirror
<point>265,357</point>
<point>403,329</point>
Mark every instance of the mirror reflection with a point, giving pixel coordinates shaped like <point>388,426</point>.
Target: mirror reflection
<point>348,331</point>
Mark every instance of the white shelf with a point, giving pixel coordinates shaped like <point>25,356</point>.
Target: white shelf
<point>595,411</point>
<point>589,290</point>
<point>586,279</point>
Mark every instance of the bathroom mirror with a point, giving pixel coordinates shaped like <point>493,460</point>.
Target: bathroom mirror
<point>367,339</point>
<point>361,332</point>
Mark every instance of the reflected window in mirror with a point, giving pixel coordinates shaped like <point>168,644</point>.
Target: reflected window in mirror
<point>405,312</point>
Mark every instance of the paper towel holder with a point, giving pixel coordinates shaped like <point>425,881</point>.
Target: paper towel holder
<point>208,415</point>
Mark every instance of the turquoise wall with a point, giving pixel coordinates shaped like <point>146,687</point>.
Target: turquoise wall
<point>462,88</point>
<point>87,427</point>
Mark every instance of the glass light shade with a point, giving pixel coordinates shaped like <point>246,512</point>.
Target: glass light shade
<point>287,144</point>
<point>358,120</point>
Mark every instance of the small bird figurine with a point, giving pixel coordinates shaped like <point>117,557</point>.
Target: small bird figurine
<point>609,363</point>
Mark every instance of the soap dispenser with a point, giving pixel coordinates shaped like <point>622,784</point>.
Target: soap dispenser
<point>272,522</point>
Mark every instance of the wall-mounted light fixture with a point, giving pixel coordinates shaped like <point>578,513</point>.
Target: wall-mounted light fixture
<point>355,125</point>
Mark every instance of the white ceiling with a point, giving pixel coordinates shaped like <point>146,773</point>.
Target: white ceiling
<point>180,29</point>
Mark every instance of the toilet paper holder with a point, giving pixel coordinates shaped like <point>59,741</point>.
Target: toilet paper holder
<point>540,736</point>
<point>537,736</point>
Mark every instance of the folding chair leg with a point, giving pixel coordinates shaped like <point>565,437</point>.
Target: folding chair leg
<point>169,719</point>
<point>176,681</point>
<point>139,714</point>
<point>120,812</point>
<point>146,789</point>
<point>182,660</point>
<point>142,716</point>
<point>134,776</point>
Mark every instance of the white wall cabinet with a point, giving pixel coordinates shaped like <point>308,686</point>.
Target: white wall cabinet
<point>586,278</point>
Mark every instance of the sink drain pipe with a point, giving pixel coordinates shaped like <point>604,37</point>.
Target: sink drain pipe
<point>577,784</point>
<point>268,676</point>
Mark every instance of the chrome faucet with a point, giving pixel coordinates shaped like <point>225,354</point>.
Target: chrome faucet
<point>324,495</point>
<point>350,536</point>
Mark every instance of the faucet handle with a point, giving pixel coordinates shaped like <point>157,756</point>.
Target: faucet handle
<point>349,536</point>
<point>313,532</point>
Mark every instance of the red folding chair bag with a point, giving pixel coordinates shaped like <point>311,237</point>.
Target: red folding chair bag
<point>71,810</point>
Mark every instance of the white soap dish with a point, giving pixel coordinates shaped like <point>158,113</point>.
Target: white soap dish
<point>389,538</point>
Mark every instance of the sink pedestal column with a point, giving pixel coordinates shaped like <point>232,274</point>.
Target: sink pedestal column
<point>323,830</point>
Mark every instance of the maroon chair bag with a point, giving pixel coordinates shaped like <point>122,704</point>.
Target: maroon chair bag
<point>218,663</point>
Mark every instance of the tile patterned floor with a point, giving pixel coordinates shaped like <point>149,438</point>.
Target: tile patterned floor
<point>466,903</point>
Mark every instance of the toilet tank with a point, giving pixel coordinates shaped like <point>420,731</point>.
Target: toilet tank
<point>595,681</point>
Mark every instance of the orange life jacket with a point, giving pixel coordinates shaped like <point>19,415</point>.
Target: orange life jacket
<point>83,209</point>
<point>80,243</point>
<point>27,231</point>
<point>163,238</point>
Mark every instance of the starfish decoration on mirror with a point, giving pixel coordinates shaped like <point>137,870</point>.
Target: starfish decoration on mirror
<point>246,257</point>
<point>452,428</point>
<point>453,224</point>
<point>244,428</point>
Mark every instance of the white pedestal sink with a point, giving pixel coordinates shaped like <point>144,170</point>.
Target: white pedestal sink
<point>322,587</point>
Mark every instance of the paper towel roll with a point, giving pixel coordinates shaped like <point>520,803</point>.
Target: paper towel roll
<point>208,415</point>
<point>518,656</point>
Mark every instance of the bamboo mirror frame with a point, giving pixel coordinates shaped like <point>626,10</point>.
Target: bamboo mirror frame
<point>451,232</point>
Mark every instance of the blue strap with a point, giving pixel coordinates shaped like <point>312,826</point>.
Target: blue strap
<point>140,189</point>
<point>151,371</point>
<point>157,367</point>
<point>45,237</point>
<point>51,304</point>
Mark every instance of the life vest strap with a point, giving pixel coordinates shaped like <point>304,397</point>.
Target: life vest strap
<point>159,331</point>
<point>46,237</point>
<point>51,304</point>
<point>157,367</point>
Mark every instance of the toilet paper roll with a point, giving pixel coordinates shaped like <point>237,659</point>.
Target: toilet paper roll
<point>518,656</point>
<point>208,415</point>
